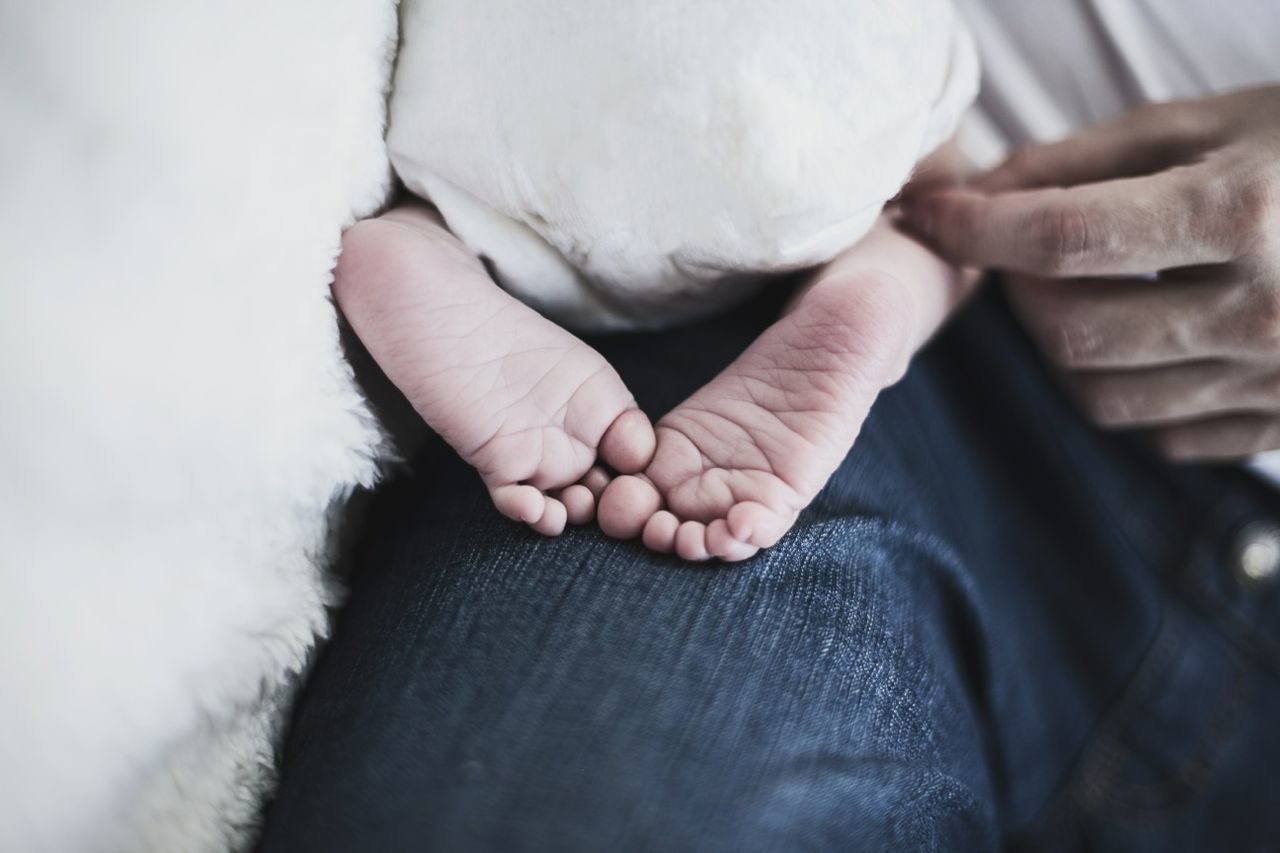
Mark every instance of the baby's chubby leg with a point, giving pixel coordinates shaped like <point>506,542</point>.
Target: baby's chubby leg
<point>530,406</point>
<point>737,462</point>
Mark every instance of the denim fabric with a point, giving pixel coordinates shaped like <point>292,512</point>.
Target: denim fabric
<point>995,629</point>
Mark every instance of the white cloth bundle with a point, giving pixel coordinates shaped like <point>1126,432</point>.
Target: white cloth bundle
<point>626,163</point>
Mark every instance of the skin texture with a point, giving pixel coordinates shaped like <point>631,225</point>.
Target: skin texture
<point>534,409</point>
<point>530,406</point>
<point>738,461</point>
<point>1144,257</point>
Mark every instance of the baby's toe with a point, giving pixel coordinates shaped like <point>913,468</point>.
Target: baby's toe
<point>691,541</point>
<point>629,442</point>
<point>660,532</point>
<point>722,544</point>
<point>626,507</point>
<point>758,525</point>
<point>595,480</point>
<point>553,520</point>
<point>579,503</point>
<point>519,502</point>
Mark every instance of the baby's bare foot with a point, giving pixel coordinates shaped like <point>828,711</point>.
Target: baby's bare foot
<point>526,403</point>
<point>737,461</point>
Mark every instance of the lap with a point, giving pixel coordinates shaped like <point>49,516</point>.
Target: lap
<point>929,629</point>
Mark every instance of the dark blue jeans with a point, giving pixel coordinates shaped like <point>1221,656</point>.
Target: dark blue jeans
<point>995,629</point>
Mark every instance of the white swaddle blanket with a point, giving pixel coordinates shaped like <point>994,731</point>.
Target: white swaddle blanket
<point>625,164</point>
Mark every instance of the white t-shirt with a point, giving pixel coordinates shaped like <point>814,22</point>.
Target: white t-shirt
<point>1052,66</point>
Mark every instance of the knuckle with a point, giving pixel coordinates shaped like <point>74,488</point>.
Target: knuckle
<point>1205,195</point>
<point>1210,199</point>
<point>1256,201</point>
<point>1257,209</point>
<point>1064,239</point>
<point>1262,318</point>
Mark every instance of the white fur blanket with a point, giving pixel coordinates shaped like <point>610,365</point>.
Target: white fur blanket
<point>178,420</point>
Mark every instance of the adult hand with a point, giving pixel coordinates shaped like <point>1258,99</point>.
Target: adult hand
<point>1144,257</point>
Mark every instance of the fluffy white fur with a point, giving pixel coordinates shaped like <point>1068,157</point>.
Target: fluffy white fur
<point>180,427</point>
<point>179,423</point>
<point>627,163</point>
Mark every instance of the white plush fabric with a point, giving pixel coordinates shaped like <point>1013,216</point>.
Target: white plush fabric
<point>629,163</point>
<point>178,422</point>
<point>180,428</point>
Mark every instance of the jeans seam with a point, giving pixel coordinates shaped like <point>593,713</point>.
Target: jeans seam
<point>1238,631</point>
<point>1098,792</point>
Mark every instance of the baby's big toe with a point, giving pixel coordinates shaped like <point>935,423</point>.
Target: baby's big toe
<point>519,502</point>
<point>724,546</point>
<point>522,502</point>
<point>626,506</point>
<point>554,517</point>
<point>757,524</point>
<point>629,442</point>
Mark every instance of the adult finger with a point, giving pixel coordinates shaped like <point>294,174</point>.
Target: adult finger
<point>1102,324</point>
<point>1123,227</point>
<point>1174,394</point>
<point>1220,439</point>
<point>1149,139</point>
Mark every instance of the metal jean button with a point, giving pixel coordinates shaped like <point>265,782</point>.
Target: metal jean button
<point>1257,554</point>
